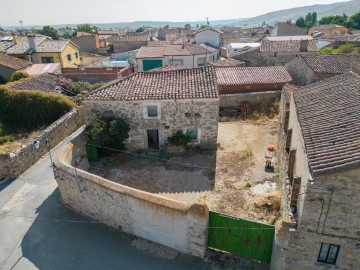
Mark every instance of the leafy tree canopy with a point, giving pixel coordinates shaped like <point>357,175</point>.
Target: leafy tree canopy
<point>50,32</point>
<point>187,26</point>
<point>88,28</point>
<point>139,30</point>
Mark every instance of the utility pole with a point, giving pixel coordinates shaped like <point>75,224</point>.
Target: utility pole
<point>21,23</point>
<point>207,21</point>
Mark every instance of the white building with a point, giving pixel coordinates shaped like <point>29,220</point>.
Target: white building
<point>233,47</point>
<point>209,36</point>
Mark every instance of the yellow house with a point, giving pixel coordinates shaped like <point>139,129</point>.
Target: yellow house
<point>42,49</point>
<point>331,29</point>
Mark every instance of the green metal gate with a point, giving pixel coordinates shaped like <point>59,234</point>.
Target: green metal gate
<point>244,238</point>
<point>92,153</point>
<point>151,64</point>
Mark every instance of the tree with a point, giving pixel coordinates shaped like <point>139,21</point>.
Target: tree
<point>50,32</point>
<point>67,35</point>
<point>106,131</point>
<point>310,19</point>
<point>18,75</point>
<point>354,21</point>
<point>86,28</point>
<point>187,26</point>
<point>203,26</point>
<point>139,30</point>
<point>2,29</point>
<point>166,27</point>
<point>301,22</point>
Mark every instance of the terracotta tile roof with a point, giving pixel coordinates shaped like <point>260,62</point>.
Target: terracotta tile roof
<point>13,62</point>
<point>333,64</point>
<point>325,27</point>
<point>344,38</point>
<point>329,113</point>
<point>288,38</point>
<point>130,38</point>
<point>5,45</point>
<point>252,75</point>
<point>151,52</point>
<point>210,29</point>
<point>286,46</point>
<point>197,83</point>
<point>177,49</point>
<point>167,68</point>
<point>229,62</point>
<point>208,47</point>
<point>195,49</point>
<point>45,82</point>
<point>23,47</point>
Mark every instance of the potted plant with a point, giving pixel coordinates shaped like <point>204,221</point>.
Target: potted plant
<point>178,142</point>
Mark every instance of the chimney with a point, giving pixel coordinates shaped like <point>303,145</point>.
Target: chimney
<point>14,38</point>
<point>31,40</point>
<point>304,44</point>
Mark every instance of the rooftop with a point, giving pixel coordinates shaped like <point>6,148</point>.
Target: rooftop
<point>344,38</point>
<point>13,62</point>
<point>329,112</point>
<point>288,38</point>
<point>252,75</point>
<point>325,27</point>
<point>52,45</point>
<point>229,62</point>
<point>130,38</point>
<point>333,64</point>
<point>23,47</point>
<point>210,29</point>
<point>197,83</point>
<point>287,46</point>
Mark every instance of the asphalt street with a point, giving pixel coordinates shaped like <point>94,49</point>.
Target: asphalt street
<point>38,232</point>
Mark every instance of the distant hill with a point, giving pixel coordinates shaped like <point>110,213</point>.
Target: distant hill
<point>349,8</point>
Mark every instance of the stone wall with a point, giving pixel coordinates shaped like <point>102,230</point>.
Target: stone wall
<point>159,219</point>
<point>174,115</point>
<point>257,100</point>
<point>15,163</point>
<point>303,74</point>
<point>6,72</point>
<point>120,47</point>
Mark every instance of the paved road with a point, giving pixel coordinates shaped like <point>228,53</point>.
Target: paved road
<point>38,232</point>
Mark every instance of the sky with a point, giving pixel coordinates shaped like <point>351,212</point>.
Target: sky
<point>51,12</point>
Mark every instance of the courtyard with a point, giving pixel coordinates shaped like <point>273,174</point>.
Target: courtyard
<point>232,180</point>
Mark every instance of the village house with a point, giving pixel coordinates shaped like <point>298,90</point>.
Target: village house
<point>177,34</point>
<point>187,55</point>
<point>309,69</point>
<point>158,104</point>
<point>323,143</point>
<point>209,36</point>
<point>256,86</point>
<point>331,29</point>
<point>276,52</point>
<point>42,49</point>
<point>287,29</point>
<point>89,42</point>
<point>9,65</point>
<point>129,42</point>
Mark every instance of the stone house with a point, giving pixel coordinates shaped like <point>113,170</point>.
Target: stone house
<point>209,36</point>
<point>287,29</point>
<point>177,34</point>
<point>89,43</point>
<point>186,55</point>
<point>309,69</point>
<point>157,104</point>
<point>331,29</point>
<point>129,42</point>
<point>9,65</point>
<point>276,53</point>
<point>323,168</point>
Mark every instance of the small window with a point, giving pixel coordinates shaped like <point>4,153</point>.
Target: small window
<point>68,57</point>
<point>47,59</point>
<point>201,62</point>
<point>193,133</point>
<point>152,111</point>
<point>328,253</point>
<point>76,55</point>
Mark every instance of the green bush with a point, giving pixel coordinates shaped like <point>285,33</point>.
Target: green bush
<point>348,47</point>
<point>18,75</point>
<point>179,138</point>
<point>8,138</point>
<point>106,131</point>
<point>358,50</point>
<point>32,109</point>
<point>83,87</point>
<point>326,50</point>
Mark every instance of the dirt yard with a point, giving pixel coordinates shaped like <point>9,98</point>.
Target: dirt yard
<point>244,187</point>
<point>232,181</point>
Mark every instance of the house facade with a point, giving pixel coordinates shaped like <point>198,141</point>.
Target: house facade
<point>88,43</point>
<point>186,55</point>
<point>158,104</point>
<point>41,49</point>
<point>209,36</point>
<point>287,29</point>
<point>310,69</point>
<point>323,170</point>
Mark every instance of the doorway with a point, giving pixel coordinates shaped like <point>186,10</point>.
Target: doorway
<point>153,139</point>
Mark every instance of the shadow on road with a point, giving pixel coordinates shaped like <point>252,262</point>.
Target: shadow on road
<point>61,239</point>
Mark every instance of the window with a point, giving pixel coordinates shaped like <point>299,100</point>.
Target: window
<point>68,57</point>
<point>328,253</point>
<point>177,62</point>
<point>47,59</point>
<point>76,55</point>
<point>193,133</point>
<point>151,111</point>
<point>201,62</point>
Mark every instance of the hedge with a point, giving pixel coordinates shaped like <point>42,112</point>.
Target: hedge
<point>32,109</point>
